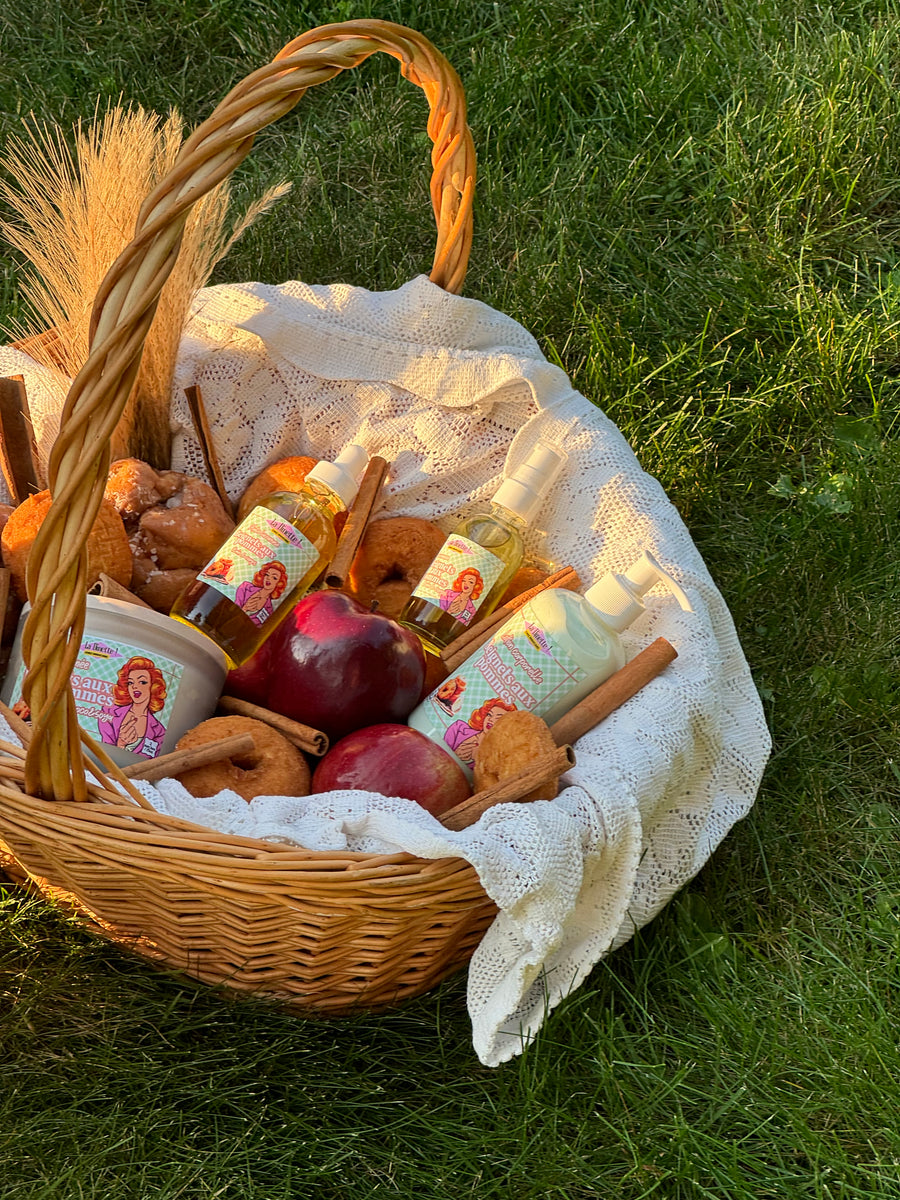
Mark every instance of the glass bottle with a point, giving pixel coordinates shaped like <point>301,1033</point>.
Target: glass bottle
<point>271,560</point>
<point>471,571</point>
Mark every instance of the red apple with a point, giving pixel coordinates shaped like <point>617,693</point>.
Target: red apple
<point>250,681</point>
<point>335,665</point>
<point>395,760</point>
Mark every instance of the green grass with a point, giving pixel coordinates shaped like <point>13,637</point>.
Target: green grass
<point>695,208</point>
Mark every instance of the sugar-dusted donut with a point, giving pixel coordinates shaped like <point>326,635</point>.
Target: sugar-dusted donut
<point>512,742</point>
<point>186,530</point>
<point>275,767</point>
<point>175,524</point>
<point>108,551</point>
<point>394,554</point>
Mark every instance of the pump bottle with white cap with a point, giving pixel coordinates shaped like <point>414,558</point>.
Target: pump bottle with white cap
<point>472,569</point>
<point>271,560</point>
<point>549,655</point>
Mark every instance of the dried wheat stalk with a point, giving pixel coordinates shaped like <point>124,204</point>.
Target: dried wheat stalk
<point>74,210</point>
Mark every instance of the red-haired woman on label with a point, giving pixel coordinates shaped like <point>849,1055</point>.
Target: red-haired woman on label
<point>257,598</point>
<point>130,723</point>
<point>458,598</point>
<point>463,736</point>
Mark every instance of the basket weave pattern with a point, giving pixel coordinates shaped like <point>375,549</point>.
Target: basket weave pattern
<point>327,932</point>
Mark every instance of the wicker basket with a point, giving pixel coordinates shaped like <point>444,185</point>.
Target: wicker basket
<point>323,932</point>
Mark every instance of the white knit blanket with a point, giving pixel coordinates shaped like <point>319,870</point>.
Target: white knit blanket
<point>454,394</point>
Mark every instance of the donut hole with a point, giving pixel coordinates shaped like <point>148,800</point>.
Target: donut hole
<point>274,767</point>
<point>392,557</point>
<point>249,761</point>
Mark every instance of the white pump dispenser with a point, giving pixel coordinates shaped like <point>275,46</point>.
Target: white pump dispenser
<point>549,655</point>
<point>618,597</point>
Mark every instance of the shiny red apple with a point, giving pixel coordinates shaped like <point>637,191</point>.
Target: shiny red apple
<point>335,665</point>
<point>395,760</point>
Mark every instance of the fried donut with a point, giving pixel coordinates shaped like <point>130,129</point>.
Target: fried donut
<point>186,530</point>
<point>275,767</point>
<point>158,588</point>
<point>394,554</point>
<point>133,486</point>
<point>285,475</point>
<point>175,525</point>
<point>512,742</point>
<point>108,552</point>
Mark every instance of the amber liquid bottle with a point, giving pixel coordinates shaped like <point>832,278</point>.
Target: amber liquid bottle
<point>472,570</point>
<point>271,561</point>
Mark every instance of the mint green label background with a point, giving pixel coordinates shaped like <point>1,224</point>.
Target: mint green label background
<point>520,665</point>
<point>260,539</point>
<point>94,677</point>
<point>458,554</point>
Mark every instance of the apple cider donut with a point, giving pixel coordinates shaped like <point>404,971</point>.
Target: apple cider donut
<point>275,767</point>
<point>526,577</point>
<point>394,554</point>
<point>108,551</point>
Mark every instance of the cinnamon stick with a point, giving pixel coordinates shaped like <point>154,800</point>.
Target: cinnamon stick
<point>18,455</point>
<point>185,760</point>
<point>565,577</point>
<point>107,586</point>
<point>357,519</point>
<point>304,737</point>
<point>512,789</point>
<point>613,692</point>
<point>203,431</point>
<point>456,652</point>
<point>471,639</point>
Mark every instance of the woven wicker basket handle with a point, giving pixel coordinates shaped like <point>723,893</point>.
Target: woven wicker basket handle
<point>124,309</point>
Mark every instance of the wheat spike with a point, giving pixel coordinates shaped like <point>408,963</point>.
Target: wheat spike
<point>74,211</point>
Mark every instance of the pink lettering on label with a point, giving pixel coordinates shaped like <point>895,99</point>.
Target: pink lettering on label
<point>535,674</point>
<point>249,544</point>
<point>502,679</point>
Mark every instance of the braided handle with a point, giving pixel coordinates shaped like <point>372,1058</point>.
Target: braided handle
<point>124,309</point>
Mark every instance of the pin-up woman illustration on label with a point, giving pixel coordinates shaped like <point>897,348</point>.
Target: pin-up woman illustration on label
<point>458,598</point>
<point>463,736</point>
<point>257,596</point>
<point>139,692</point>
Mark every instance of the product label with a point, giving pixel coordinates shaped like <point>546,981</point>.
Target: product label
<point>460,578</point>
<point>123,697</point>
<point>520,667</point>
<point>260,564</point>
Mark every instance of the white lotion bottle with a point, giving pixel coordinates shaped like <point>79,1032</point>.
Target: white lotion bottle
<point>546,658</point>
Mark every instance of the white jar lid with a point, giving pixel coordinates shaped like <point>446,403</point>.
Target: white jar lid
<point>118,616</point>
